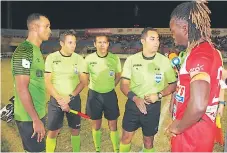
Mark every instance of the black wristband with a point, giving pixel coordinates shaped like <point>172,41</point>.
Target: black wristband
<point>71,97</point>
<point>131,95</point>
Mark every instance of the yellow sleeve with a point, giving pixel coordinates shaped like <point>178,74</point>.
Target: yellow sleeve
<point>118,65</point>
<point>48,64</point>
<point>82,67</point>
<point>127,69</point>
<point>86,65</point>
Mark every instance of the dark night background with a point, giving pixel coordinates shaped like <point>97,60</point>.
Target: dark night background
<point>67,15</point>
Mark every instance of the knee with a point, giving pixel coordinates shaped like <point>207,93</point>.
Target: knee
<point>113,125</point>
<point>96,124</point>
<point>53,134</point>
<point>75,132</point>
<point>126,139</point>
<point>148,143</point>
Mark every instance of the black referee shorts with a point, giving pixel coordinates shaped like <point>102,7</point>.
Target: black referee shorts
<point>26,130</point>
<point>56,115</point>
<point>97,103</point>
<point>134,119</point>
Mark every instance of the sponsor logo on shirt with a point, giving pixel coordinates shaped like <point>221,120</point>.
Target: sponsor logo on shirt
<point>180,93</point>
<point>93,63</point>
<point>39,73</point>
<point>136,65</point>
<point>57,61</point>
<point>197,68</point>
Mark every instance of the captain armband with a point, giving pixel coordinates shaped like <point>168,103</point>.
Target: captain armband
<point>201,76</point>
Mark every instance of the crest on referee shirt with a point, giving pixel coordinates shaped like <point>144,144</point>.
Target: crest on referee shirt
<point>158,77</point>
<point>76,70</point>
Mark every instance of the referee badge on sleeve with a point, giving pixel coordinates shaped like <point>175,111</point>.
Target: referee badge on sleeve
<point>158,77</point>
<point>112,73</point>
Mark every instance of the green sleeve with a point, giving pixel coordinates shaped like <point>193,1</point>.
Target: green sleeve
<point>22,60</point>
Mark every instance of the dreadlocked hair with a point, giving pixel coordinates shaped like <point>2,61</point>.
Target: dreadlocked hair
<point>196,14</point>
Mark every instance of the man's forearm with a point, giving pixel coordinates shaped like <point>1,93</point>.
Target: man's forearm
<point>52,91</point>
<point>26,101</point>
<point>196,108</point>
<point>125,89</point>
<point>117,80</point>
<point>169,89</point>
<point>191,116</point>
<point>78,89</point>
<point>222,95</point>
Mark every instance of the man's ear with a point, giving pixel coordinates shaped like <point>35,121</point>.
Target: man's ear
<point>61,43</point>
<point>142,41</point>
<point>32,27</point>
<point>185,29</point>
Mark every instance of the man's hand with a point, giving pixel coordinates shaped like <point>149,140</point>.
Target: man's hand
<point>65,107</point>
<point>140,103</point>
<point>39,129</point>
<point>172,128</point>
<point>63,100</point>
<point>221,109</point>
<point>151,98</point>
<point>66,99</point>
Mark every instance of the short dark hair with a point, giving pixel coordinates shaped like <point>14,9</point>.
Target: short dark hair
<point>67,33</point>
<point>145,30</point>
<point>34,16</point>
<point>101,35</point>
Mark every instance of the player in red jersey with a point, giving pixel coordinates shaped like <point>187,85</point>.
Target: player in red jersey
<point>196,99</point>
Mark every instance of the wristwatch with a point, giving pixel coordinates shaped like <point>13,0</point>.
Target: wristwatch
<point>71,97</point>
<point>222,102</point>
<point>159,95</point>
